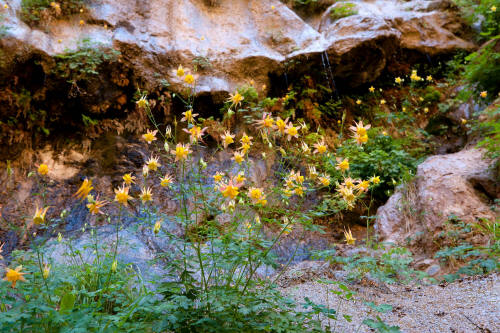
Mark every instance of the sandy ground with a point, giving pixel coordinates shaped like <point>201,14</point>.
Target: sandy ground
<point>469,305</point>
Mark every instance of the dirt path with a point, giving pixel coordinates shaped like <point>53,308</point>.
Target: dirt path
<point>469,305</point>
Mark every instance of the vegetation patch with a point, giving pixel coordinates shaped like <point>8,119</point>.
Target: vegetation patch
<point>36,12</point>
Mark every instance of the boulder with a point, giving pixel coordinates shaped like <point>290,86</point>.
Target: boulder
<point>462,184</point>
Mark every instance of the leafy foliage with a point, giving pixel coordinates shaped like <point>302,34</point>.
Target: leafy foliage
<point>35,11</point>
<point>342,10</point>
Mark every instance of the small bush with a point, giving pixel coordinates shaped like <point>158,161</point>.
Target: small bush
<point>35,11</point>
<point>343,10</point>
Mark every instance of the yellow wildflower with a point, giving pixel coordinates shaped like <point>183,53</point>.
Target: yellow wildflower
<point>95,206</point>
<point>292,131</point>
<point>371,89</point>
<point>313,174</point>
<point>114,265</point>
<point>46,271</point>
<point>281,125</point>
<point>157,227</point>
<point>426,110</point>
<point>375,180</point>
<point>196,133</point>
<point>43,169</point>
<point>358,102</point>
<point>218,177</point>
<point>14,275</point>
<point>128,178</point>
<point>361,139</point>
<point>320,147</point>
<point>237,157</point>
<point>305,148</point>
<point>363,186</point>
<point>153,163</point>
<point>1,249</point>
<point>142,102</point>
<point>240,178</point>
<point>82,22</point>
<point>149,136</point>
<point>84,189</point>
<point>257,195</point>
<point>324,180</point>
<point>429,78</point>
<point>189,79</point>
<point>493,8</point>
<point>382,101</point>
<point>343,165</point>
<point>246,139</point>
<point>265,122</point>
<point>230,190</point>
<point>483,94</point>
<point>166,180</point>
<point>227,139</point>
<point>235,99</point>
<point>188,116</point>
<point>299,190</point>
<point>122,196</point>
<point>350,240</point>
<point>39,216</point>
<point>359,128</point>
<point>181,152</point>
<point>180,71</point>
<point>398,80</point>
<point>146,195</point>
<point>464,121</point>
<point>245,148</point>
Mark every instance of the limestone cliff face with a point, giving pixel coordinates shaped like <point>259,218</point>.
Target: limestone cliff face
<point>242,40</point>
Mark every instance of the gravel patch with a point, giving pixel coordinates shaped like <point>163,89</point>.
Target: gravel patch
<point>469,305</point>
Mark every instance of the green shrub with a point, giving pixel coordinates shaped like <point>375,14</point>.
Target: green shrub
<point>343,10</point>
<point>382,156</point>
<point>482,70</point>
<point>431,95</point>
<point>35,11</point>
<point>83,63</point>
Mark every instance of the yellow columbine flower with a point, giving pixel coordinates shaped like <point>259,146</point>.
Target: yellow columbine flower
<point>364,185</point>
<point>227,139</point>
<point>121,195</point>
<point>429,78</point>
<point>218,177</point>
<point>324,179</point>
<point>281,125</point>
<point>464,121</point>
<point>189,79</point>
<point>46,271</point>
<point>361,139</point>
<point>180,71</point>
<point>95,206</point>
<point>375,180</point>
<point>320,147</point>
<point>235,99</point>
<point>165,181</point>
<point>43,169</point>
<point>146,195</point>
<point>257,195</point>
<point>196,132</point>
<point>157,227</point>
<point>128,178</point>
<point>343,165</point>
<point>114,265</point>
<point>142,102</point>
<point>493,8</point>
<point>483,94</point>
<point>358,102</point>
<point>245,148</point>
<point>382,102</point>
<point>348,237</point>
<point>181,152</point>
<point>292,131</point>
<point>237,157</point>
<point>348,196</point>
<point>313,174</point>
<point>371,89</point>
<point>265,122</point>
<point>84,189</point>
<point>229,190</point>
<point>426,110</point>
<point>246,139</point>
<point>188,116</point>
<point>14,275</point>
<point>82,22</point>
<point>299,190</point>
<point>398,80</point>
<point>359,128</point>
<point>149,136</point>
<point>153,163</point>
<point>39,216</point>
<point>240,178</point>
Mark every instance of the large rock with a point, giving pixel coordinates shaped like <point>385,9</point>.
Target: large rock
<point>241,40</point>
<point>463,184</point>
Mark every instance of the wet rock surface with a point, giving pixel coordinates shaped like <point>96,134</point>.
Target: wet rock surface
<point>239,41</point>
<point>462,185</point>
